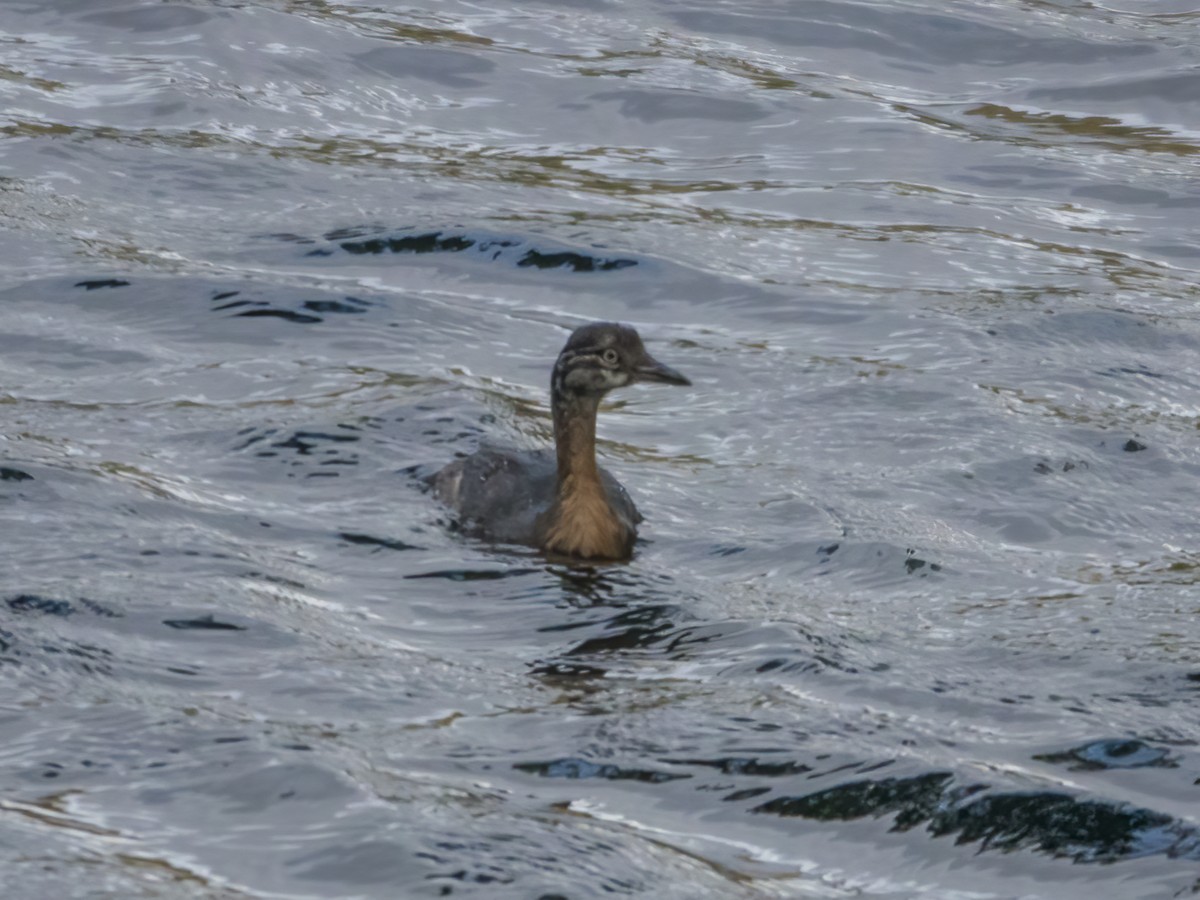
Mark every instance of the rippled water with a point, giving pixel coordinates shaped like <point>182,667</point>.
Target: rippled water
<point>914,609</point>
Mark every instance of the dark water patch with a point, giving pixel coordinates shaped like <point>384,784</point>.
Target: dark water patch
<point>368,241</point>
<point>431,242</point>
<point>309,312</point>
<point>53,607</point>
<point>1053,823</point>
<point>1047,467</point>
<point>10,474</point>
<point>643,623</point>
<point>910,800</point>
<point>791,666</point>
<point>635,629</point>
<point>576,262</point>
<point>352,233</point>
<point>744,794</point>
<point>726,550</point>
<point>838,767</point>
<point>573,767</point>
<point>347,306</point>
<point>1121,371</point>
<point>306,443</point>
<point>234,304</point>
<point>89,659</point>
<point>914,565</point>
<point>28,602</point>
<point>1110,754</point>
<point>747,765</point>
<point>377,543</point>
<point>289,238</point>
<point>202,623</point>
<point>439,435</point>
<point>1133,446</point>
<point>252,436</point>
<point>473,574</point>
<point>479,873</point>
<point>1062,826</point>
<point>286,314</point>
<point>98,283</point>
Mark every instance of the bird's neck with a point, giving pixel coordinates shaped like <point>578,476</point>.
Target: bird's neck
<point>581,522</point>
<point>575,442</point>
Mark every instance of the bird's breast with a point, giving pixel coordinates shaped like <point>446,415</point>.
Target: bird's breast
<point>583,524</point>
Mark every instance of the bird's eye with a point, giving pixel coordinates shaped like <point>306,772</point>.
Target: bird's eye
<point>609,356</point>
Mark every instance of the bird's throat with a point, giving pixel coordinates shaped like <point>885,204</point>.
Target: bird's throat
<point>575,443</point>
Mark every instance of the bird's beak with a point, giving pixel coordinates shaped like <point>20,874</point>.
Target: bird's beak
<point>651,369</point>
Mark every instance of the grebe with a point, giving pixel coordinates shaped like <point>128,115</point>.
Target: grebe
<point>564,503</point>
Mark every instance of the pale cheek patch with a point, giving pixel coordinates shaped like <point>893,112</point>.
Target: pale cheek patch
<point>581,379</point>
<point>614,379</point>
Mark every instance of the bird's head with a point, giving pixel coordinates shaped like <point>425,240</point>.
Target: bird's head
<point>604,355</point>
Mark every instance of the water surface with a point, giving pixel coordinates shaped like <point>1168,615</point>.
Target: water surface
<point>913,612</point>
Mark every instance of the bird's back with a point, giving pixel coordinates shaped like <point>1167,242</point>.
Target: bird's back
<point>499,492</point>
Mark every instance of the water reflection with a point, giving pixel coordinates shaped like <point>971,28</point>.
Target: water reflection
<point>492,248</point>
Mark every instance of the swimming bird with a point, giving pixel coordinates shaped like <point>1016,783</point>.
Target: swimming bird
<point>563,503</point>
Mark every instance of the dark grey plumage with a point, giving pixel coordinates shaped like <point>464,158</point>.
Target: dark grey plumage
<point>499,492</point>
<point>560,501</point>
